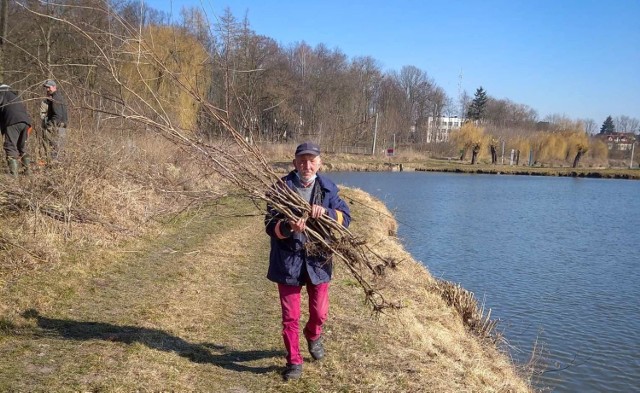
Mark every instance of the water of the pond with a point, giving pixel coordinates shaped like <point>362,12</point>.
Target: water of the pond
<point>556,259</point>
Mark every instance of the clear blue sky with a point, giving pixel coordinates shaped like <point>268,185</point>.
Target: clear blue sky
<point>579,58</point>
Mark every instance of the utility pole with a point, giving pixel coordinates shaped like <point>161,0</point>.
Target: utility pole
<point>633,145</point>
<point>375,135</point>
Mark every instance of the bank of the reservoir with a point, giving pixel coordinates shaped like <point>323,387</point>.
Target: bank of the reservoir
<point>456,167</point>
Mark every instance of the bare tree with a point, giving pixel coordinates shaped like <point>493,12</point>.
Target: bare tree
<point>464,102</point>
<point>590,126</point>
<point>416,86</point>
<point>626,124</point>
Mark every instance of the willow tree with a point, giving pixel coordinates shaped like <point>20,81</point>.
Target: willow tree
<point>560,147</point>
<point>169,84</point>
<point>550,146</point>
<point>578,144</point>
<point>581,149</point>
<point>469,136</point>
<point>598,151</point>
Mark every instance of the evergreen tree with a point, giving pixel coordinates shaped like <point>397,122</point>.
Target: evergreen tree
<point>478,105</point>
<point>608,127</point>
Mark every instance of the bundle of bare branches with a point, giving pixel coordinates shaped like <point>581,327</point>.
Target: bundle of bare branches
<point>247,167</point>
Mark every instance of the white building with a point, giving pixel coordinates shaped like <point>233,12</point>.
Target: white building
<point>439,128</point>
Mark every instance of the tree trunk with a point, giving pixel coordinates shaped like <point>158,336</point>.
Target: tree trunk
<point>577,159</point>
<point>494,155</point>
<point>474,157</point>
<point>4,14</point>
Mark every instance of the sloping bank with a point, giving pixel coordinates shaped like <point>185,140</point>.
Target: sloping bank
<point>191,310</point>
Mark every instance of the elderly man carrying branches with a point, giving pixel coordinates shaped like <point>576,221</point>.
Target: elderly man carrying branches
<point>294,264</point>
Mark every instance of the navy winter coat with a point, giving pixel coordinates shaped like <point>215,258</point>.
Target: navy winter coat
<point>288,257</point>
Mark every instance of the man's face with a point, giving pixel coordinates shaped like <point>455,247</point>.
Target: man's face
<point>50,90</point>
<point>307,165</point>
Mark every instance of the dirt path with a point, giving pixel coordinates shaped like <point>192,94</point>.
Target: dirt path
<point>192,312</point>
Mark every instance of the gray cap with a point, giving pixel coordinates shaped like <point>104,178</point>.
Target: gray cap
<point>49,83</point>
<point>308,148</point>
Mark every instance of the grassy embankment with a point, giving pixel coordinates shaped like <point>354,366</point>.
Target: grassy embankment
<point>434,165</point>
<point>138,300</point>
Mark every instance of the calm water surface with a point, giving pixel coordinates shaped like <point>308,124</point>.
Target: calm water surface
<point>556,259</point>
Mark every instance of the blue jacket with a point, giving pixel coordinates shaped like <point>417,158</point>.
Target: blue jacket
<point>288,259</point>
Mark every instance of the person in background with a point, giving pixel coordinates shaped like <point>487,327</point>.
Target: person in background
<point>54,122</point>
<point>292,268</point>
<point>15,125</point>
<point>42,146</point>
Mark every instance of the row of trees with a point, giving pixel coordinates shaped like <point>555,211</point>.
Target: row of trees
<point>624,124</point>
<point>558,142</point>
<point>271,92</point>
<point>500,112</point>
<point>556,147</point>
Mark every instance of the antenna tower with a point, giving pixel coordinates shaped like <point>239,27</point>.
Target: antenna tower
<point>460,103</point>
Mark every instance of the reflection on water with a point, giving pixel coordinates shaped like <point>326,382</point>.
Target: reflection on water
<point>556,259</point>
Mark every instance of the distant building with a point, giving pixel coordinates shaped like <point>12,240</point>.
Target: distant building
<point>618,140</point>
<point>543,126</point>
<point>439,128</point>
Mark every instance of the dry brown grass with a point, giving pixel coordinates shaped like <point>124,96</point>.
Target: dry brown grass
<point>278,152</point>
<point>107,188</point>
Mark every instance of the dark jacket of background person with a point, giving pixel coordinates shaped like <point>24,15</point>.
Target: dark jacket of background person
<point>57,111</point>
<point>288,256</point>
<point>12,110</point>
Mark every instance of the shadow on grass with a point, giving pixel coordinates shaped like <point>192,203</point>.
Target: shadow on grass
<point>217,355</point>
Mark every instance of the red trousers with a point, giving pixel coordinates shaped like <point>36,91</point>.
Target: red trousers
<point>318,311</point>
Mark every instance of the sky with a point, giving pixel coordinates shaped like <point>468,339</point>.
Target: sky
<point>576,58</point>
